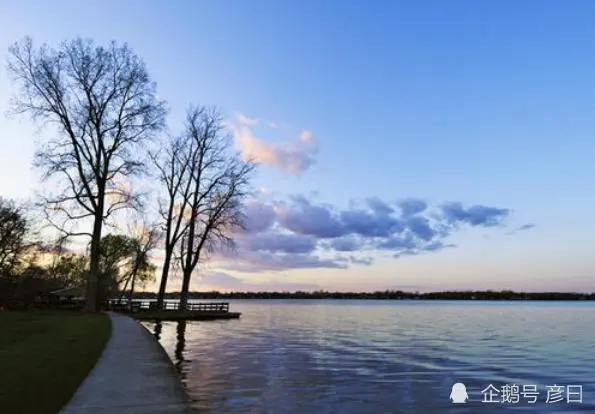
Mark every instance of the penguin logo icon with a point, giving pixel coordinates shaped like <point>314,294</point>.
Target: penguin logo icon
<point>458,395</point>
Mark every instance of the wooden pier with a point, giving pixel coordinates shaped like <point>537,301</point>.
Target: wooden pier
<point>146,310</point>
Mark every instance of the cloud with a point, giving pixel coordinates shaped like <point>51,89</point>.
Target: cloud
<point>420,227</point>
<point>477,215</point>
<point>263,261</point>
<point>297,233</point>
<point>306,137</point>
<point>399,242</point>
<point>273,125</point>
<point>345,244</point>
<point>362,260</point>
<point>525,227</point>
<point>279,242</point>
<point>259,216</point>
<point>223,281</point>
<point>379,206</point>
<point>301,217</point>
<point>295,156</point>
<point>427,248</point>
<point>246,120</point>
<point>412,206</point>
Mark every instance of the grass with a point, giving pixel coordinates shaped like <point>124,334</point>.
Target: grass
<point>44,356</point>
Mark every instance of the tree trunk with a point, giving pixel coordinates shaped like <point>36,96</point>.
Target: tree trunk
<point>123,292</point>
<point>184,292</point>
<point>164,276</point>
<point>93,278</point>
<point>132,289</point>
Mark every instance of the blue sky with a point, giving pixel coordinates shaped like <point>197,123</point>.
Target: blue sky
<point>484,103</point>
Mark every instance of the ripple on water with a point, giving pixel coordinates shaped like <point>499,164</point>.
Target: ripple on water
<point>370,357</point>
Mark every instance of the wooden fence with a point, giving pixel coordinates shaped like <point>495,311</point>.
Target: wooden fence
<point>220,307</point>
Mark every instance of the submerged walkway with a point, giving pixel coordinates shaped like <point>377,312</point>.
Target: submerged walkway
<point>133,376</point>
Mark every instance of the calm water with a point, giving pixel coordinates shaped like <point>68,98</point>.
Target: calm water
<point>382,357</point>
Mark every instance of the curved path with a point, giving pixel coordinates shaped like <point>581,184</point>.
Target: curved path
<point>133,376</point>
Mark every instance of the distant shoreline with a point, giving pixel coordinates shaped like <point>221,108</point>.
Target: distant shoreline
<point>488,295</point>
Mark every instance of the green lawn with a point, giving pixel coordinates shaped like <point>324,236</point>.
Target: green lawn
<point>44,356</point>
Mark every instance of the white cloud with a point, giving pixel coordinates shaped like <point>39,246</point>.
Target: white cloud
<point>247,120</point>
<point>306,137</point>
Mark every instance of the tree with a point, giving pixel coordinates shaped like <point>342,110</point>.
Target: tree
<point>145,237</point>
<point>104,107</point>
<point>115,251</point>
<point>174,166</point>
<point>71,269</point>
<point>14,227</point>
<point>123,258</point>
<point>219,184</point>
<point>143,270</point>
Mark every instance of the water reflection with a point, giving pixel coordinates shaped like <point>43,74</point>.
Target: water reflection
<point>368,358</point>
<point>157,329</point>
<point>179,358</point>
<point>180,347</point>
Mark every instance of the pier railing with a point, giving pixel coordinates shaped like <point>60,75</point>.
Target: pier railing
<point>218,307</point>
<point>193,307</point>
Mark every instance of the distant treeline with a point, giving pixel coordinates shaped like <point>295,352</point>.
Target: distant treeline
<point>381,295</point>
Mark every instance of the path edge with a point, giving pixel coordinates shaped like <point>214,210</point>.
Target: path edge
<point>181,388</point>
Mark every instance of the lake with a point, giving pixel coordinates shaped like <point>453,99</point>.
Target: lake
<point>325,356</point>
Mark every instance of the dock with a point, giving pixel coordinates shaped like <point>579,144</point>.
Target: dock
<point>147,310</point>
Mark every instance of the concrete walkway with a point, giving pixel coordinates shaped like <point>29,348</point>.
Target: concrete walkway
<point>133,376</point>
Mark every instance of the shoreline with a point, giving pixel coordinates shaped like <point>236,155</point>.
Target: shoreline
<point>388,294</point>
<point>134,374</point>
<point>478,298</point>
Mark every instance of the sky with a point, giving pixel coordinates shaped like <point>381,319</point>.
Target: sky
<point>423,145</point>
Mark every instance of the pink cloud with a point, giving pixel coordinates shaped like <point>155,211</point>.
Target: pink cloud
<point>294,157</point>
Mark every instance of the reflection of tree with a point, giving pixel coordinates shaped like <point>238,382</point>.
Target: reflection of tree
<point>158,329</point>
<point>180,347</point>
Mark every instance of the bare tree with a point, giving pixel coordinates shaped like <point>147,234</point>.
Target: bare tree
<point>174,166</point>
<point>219,184</point>
<point>104,107</point>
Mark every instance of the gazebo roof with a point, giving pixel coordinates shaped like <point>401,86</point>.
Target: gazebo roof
<point>73,291</point>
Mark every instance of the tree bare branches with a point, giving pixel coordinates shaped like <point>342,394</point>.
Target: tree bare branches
<point>219,184</point>
<point>205,183</point>
<point>174,165</point>
<point>103,108</point>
